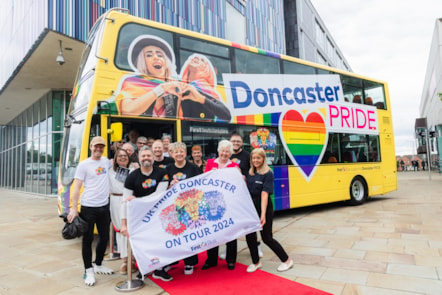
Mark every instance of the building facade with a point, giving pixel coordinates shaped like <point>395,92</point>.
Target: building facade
<point>431,99</point>
<point>42,43</point>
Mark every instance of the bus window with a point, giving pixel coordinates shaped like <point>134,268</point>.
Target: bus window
<point>252,63</point>
<point>352,88</point>
<point>194,45</point>
<point>373,148</point>
<point>331,154</point>
<point>374,94</point>
<point>206,135</point>
<point>295,68</point>
<point>127,34</point>
<point>218,55</point>
<point>72,143</point>
<point>220,65</point>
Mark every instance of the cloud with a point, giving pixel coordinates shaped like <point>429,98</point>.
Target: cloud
<point>388,41</point>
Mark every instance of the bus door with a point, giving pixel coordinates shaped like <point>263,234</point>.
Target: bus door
<point>148,127</point>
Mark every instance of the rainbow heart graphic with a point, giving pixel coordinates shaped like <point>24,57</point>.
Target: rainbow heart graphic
<point>304,139</point>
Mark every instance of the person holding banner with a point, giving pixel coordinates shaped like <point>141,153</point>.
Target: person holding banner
<point>92,174</point>
<point>260,185</point>
<point>176,172</point>
<point>225,151</point>
<point>143,182</point>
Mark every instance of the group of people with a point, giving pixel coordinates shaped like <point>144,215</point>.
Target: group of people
<point>162,166</point>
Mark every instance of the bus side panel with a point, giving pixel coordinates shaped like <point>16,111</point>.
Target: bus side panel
<point>326,186</point>
<point>389,163</point>
<point>281,196</point>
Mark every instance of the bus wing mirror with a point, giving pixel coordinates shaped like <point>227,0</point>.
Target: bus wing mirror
<point>116,131</point>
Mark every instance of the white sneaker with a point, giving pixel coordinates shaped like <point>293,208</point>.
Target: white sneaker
<point>254,267</point>
<point>89,277</point>
<point>103,269</point>
<point>260,254</point>
<point>188,269</point>
<point>285,266</point>
<point>223,255</point>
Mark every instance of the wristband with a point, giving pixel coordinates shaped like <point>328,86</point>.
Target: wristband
<point>158,91</point>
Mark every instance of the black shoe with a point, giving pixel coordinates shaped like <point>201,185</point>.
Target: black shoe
<point>207,266</point>
<point>162,275</point>
<point>231,266</point>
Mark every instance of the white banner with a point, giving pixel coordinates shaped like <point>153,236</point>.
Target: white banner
<point>194,215</point>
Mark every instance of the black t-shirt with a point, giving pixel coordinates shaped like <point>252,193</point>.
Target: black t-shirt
<point>259,183</point>
<point>189,170</point>
<point>165,162</point>
<point>243,160</point>
<point>143,185</point>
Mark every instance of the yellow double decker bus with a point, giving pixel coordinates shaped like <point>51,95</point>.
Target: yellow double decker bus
<point>328,134</point>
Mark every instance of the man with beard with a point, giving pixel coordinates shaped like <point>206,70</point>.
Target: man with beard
<point>143,182</point>
<point>240,156</point>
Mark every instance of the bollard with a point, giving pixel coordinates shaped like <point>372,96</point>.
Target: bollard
<point>112,255</point>
<point>129,285</point>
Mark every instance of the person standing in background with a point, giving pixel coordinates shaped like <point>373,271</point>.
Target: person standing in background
<point>166,140</point>
<point>132,156</point>
<point>133,136</point>
<point>242,158</point>
<point>158,154</point>
<point>117,175</point>
<point>197,158</point>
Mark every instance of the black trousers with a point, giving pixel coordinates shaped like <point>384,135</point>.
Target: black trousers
<point>266,235</point>
<point>212,254</point>
<point>99,216</point>
<point>191,260</point>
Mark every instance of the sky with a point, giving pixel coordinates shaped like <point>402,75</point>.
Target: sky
<point>388,41</point>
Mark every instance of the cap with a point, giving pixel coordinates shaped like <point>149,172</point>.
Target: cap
<point>98,140</point>
<point>148,40</point>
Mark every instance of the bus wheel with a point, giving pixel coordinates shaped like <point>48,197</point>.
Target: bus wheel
<point>358,191</point>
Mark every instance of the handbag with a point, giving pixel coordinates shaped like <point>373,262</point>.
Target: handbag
<point>75,229</point>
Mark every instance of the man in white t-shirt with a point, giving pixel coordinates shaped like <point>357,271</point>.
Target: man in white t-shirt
<point>92,174</point>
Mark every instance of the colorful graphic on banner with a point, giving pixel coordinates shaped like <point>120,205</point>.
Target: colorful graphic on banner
<point>194,215</point>
<point>263,138</point>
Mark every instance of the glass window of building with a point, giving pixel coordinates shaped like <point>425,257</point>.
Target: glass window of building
<point>320,59</point>
<point>320,35</point>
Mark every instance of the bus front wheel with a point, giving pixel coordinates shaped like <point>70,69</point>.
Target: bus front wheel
<point>358,191</point>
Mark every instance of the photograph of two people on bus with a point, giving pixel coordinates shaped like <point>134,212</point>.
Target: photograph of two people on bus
<point>156,90</point>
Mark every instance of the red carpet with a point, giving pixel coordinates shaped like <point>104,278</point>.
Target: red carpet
<point>220,280</point>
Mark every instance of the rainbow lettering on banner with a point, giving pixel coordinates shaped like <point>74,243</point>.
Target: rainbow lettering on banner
<point>304,139</point>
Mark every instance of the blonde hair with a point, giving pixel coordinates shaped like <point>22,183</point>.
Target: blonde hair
<point>264,167</point>
<point>142,68</point>
<point>177,145</point>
